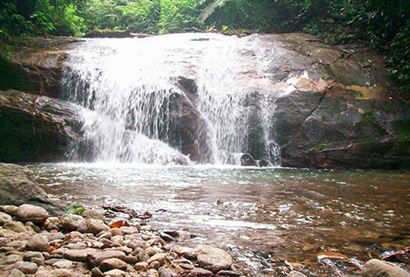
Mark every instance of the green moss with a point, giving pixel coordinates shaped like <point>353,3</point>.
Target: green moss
<point>321,147</point>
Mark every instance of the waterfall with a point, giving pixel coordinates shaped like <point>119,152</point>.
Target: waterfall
<point>170,99</point>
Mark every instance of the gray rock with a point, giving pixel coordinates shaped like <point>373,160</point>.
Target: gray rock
<point>56,273</point>
<point>63,264</point>
<point>36,214</point>
<point>71,222</point>
<point>78,255</point>
<point>28,255</point>
<point>16,273</point>
<point>93,226</point>
<point>26,267</point>
<point>4,218</point>
<point>186,252</point>
<point>228,273</point>
<point>37,243</point>
<point>113,263</point>
<point>15,226</point>
<point>93,214</point>
<point>379,268</point>
<point>213,259</point>
<point>12,259</point>
<point>96,272</point>
<point>9,209</point>
<point>97,257</point>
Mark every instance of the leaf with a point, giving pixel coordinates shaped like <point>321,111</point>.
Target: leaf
<point>75,208</point>
<point>119,224</point>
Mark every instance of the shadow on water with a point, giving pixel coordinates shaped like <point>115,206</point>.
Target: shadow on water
<point>272,219</point>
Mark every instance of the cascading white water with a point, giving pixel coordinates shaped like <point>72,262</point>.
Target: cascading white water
<point>129,87</point>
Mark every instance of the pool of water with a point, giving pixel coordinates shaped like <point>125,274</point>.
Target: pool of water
<point>271,219</point>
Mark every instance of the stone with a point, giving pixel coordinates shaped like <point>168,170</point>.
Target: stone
<point>71,222</point>
<point>4,218</point>
<point>200,272</point>
<point>116,231</point>
<point>37,243</point>
<point>93,226</point>
<point>166,272</point>
<point>213,259</point>
<point>78,255</point>
<point>16,273</point>
<point>38,261</point>
<point>113,263</point>
<point>9,209</point>
<point>152,273</point>
<point>52,223</point>
<point>115,273</point>
<point>63,264</point>
<point>141,266</point>
<point>97,257</point>
<point>379,268</point>
<point>15,226</point>
<point>96,272</point>
<point>56,273</point>
<point>228,273</point>
<point>248,160</point>
<point>26,267</point>
<point>187,252</point>
<point>12,259</point>
<point>55,236</point>
<point>35,214</point>
<point>294,273</point>
<point>92,214</point>
<point>28,255</point>
<point>154,265</point>
<point>159,257</point>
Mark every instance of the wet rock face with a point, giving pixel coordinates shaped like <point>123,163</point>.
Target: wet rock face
<point>18,187</point>
<point>36,128</point>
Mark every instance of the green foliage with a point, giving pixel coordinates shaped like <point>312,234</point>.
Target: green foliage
<point>182,15</point>
<point>75,208</point>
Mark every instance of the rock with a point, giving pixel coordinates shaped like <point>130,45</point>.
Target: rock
<point>228,273</point>
<point>113,263</point>
<point>56,273</point>
<point>141,266</point>
<point>116,231</point>
<point>78,255</point>
<point>45,128</point>
<point>96,272</point>
<point>97,257</point>
<point>93,226</point>
<point>38,261</point>
<point>28,255</point>
<point>37,243</point>
<point>165,272</point>
<point>189,253</point>
<point>213,259</point>
<point>26,267</point>
<point>16,273</point>
<point>9,209</point>
<point>248,160</point>
<point>264,163</point>
<point>379,268</point>
<point>71,222</point>
<point>294,273</point>
<point>152,273</point>
<point>92,214</point>
<point>63,264</point>
<point>200,272</point>
<point>18,187</point>
<point>27,212</point>
<point>115,273</point>
<point>159,257</point>
<point>12,259</point>
<point>4,218</point>
<point>154,265</point>
<point>15,226</point>
<point>52,223</point>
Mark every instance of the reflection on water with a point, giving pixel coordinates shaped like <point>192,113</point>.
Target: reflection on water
<point>271,219</point>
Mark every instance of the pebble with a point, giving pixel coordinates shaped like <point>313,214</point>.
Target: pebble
<point>213,259</point>
<point>379,268</point>
<point>37,243</point>
<point>63,264</point>
<point>35,214</point>
<point>15,226</point>
<point>113,263</point>
<point>115,273</point>
<point>141,266</point>
<point>4,218</point>
<point>26,267</point>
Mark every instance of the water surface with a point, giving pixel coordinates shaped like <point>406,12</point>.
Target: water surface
<point>271,219</point>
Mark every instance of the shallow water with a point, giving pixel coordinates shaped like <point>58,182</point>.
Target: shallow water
<point>271,219</point>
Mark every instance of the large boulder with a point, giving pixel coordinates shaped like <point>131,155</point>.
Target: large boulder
<point>17,187</point>
<point>36,128</point>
